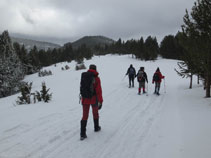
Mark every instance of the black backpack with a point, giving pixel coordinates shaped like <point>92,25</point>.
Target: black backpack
<point>87,85</point>
<point>131,71</point>
<point>156,77</point>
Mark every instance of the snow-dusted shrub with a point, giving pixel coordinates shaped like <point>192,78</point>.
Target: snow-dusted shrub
<point>44,73</point>
<point>80,66</point>
<point>67,67</point>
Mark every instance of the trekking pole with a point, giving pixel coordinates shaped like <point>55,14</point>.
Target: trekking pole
<point>80,99</point>
<point>164,86</point>
<point>124,77</point>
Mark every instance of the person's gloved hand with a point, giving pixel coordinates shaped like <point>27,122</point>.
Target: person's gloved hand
<point>99,105</point>
<point>152,82</point>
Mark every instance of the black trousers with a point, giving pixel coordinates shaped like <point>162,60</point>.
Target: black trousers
<point>131,80</point>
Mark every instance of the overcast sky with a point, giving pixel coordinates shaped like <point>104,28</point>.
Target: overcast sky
<point>69,20</point>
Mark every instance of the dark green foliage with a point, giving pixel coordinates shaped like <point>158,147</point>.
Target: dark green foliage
<point>38,96</point>
<point>83,52</point>
<point>151,49</point>
<point>44,73</point>
<point>144,50</point>
<point>196,40</point>
<point>45,96</point>
<point>34,57</point>
<point>170,47</point>
<point>11,69</point>
<point>92,41</point>
<point>25,97</point>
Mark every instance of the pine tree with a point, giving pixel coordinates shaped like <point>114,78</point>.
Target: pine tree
<point>11,69</point>
<point>44,93</point>
<point>151,48</point>
<point>197,30</point>
<point>25,97</point>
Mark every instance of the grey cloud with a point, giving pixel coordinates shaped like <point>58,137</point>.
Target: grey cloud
<point>71,19</point>
<point>26,16</point>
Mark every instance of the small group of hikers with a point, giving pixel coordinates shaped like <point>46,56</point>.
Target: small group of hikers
<point>91,92</point>
<point>142,78</point>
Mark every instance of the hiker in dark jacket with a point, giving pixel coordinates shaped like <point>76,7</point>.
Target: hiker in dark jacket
<point>157,78</point>
<point>131,72</point>
<point>141,78</point>
<point>95,101</point>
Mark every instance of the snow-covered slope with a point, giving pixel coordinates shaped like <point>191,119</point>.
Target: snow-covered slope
<point>175,124</point>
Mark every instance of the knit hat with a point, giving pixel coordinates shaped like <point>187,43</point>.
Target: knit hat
<point>93,67</point>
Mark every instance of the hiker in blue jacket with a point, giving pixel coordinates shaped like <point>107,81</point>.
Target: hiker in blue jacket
<point>131,72</point>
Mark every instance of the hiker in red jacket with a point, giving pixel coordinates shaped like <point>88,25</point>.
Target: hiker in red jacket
<point>95,101</point>
<point>157,78</point>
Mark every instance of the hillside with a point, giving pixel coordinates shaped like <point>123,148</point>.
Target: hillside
<point>175,124</point>
<point>91,41</point>
<point>29,44</point>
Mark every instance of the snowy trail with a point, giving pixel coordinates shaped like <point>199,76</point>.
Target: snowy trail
<point>132,125</point>
<point>57,135</point>
<point>128,131</point>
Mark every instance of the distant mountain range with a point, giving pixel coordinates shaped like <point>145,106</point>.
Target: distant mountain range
<point>91,41</point>
<point>29,44</point>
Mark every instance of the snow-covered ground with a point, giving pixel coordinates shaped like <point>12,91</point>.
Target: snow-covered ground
<point>175,124</point>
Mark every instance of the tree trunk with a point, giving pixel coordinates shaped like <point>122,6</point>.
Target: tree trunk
<point>205,83</point>
<point>208,83</point>
<point>191,81</point>
<point>198,79</point>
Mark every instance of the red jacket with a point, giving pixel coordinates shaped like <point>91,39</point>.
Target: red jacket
<point>97,86</point>
<point>160,77</point>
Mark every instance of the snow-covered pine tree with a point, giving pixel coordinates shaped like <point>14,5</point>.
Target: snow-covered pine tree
<point>25,97</point>
<point>11,69</point>
<point>44,93</point>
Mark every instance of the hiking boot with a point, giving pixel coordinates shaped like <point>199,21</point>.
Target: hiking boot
<point>96,125</point>
<point>83,137</point>
<point>83,129</point>
<point>97,129</point>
